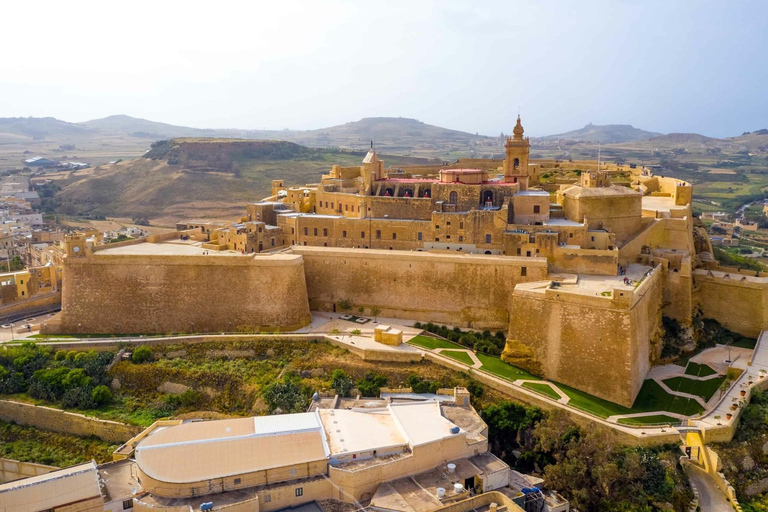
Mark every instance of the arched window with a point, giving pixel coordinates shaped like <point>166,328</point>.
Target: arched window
<point>516,163</point>
<point>453,198</point>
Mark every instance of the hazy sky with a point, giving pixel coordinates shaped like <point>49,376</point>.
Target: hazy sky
<point>667,66</point>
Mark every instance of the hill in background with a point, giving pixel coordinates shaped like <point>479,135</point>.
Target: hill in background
<point>193,178</point>
<point>606,134</point>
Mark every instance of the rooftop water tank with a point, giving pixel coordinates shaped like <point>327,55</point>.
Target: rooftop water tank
<point>458,488</point>
<point>440,493</point>
<point>455,430</point>
<point>451,468</point>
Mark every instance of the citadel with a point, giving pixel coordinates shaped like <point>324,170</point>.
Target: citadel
<point>578,276</point>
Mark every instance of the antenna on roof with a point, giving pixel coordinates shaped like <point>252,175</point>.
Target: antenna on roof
<point>598,156</point>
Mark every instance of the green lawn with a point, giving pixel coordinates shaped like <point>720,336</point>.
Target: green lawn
<point>461,357</point>
<point>699,370</point>
<point>504,370</point>
<point>544,389</point>
<point>745,343</point>
<point>703,388</point>
<point>433,343</point>
<point>653,398</point>
<point>593,404</point>
<point>649,420</point>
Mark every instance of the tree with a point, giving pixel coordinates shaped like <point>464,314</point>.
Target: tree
<point>101,395</point>
<point>371,384</point>
<point>285,396</point>
<point>375,312</point>
<point>346,305</point>
<point>341,383</point>
<point>142,354</point>
<point>16,263</point>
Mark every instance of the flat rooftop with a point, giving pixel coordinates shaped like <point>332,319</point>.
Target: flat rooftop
<point>169,248</point>
<point>595,285</point>
<point>660,203</point>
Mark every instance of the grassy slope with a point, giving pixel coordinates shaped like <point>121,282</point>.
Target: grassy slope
<point>702,388</point>
<point>544,389</point>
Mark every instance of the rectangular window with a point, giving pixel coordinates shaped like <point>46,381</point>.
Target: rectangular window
<point>447,237</point>
<point>488,238</point>
<point>378,234</point>
<point>331,205</point>
<point>238,481</point>
<point>273,242</point>
<point>418,236</point>
<point>523,271</point>
<point>306,231</point>
<point>362,234</point>
<point>593,239</point>
<point>128,504</point>
<point>394,236</point>
<point>293,231</point>
<point>344,234</point>
<point>299,491</point>
<point>519,251</point>
<point>325,231</point>
<point>447,223</point>
<point>346,207</point>
<point>461,225</point>
<point>528,254</point>
<point>461,238</point>
<point>315,231</point>
<point>570,235</point>
<point>536,209</point>
<point>437,239</point>
<point>437,226</point>
<point>267,498</point>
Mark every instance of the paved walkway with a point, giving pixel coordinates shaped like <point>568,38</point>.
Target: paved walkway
<point>476,362</point>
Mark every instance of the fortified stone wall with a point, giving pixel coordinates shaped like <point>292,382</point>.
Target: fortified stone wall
<point>47,418</point>
<point>739,304</point>
<point>585,261</point>
<point>437,287</point>
<point>119,293</point>
<point>601,345</point>
<point>660,233</point>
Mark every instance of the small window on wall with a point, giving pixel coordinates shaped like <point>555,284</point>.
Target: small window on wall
<point>267,498</point>
<point>488,238</point>
<point>325,231</point>
<point>306,231</point>
<point>570,235</point>
<point>299,491</point>
<point>128,504</point>
<point>238,481</point>
<point>343,234</point>
<point>394,236</point>
<point>362,234</point>
<point>523,271</point>
<point>315,231</point>
<point>378,234</point>
<point>536,208</point>
<point>461,238</point>
<point>418,236</point>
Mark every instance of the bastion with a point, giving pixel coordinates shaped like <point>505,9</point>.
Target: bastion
<point>177,286</point>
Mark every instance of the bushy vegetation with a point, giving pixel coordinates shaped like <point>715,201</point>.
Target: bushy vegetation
<point>735,260</point>
<point>484,342</point>
<point>745,463</point>
<point>71,379</point>
<point>586,467</point>
<point>371,384</point>
<point>142,354</point>
<point>29,444</point>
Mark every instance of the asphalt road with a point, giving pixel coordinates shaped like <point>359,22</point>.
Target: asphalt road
<point>711,499</point>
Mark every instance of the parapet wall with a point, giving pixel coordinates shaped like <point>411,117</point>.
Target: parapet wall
<point>601,345</point>
<point>47,418</point>
<point>131,293</point>
<point>458,289</point>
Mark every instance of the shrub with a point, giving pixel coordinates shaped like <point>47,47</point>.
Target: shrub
<point>286,396</point>
<point>475,389</point>
<point>79,398</point>
<point>422,385</point>
<point>101,395</point>
<point>341,383</point>
<point>142,354</point>
<point>371,384</point>
<point>60,355</point>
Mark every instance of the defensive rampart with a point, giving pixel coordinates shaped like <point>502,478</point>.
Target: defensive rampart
<point>160,293</point>
<point>439,287</point>
<point>598,344</point>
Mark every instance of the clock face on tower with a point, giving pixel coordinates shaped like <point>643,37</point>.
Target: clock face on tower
<point>76,249</point>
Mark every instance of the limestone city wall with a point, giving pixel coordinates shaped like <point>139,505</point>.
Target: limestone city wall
<point>48,418</point>
<point>36,303</point>
<point>596,344</point>
<point>119,293</point>
<point>585,261</point>
<point>446,288</point>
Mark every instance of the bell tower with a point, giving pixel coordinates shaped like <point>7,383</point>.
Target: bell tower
<point>516,162</point>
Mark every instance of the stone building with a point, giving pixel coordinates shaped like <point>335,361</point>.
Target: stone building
<point>578,272</point>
